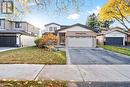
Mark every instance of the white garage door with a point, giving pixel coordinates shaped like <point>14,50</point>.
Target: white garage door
<point>80,42</point>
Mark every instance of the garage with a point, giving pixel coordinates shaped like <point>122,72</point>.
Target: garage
<point>114,40</point>
<point>80,42</point>
<point>115,37</point>
<point>7,41</point>
<point>81,39</point>
<point>77,35</point>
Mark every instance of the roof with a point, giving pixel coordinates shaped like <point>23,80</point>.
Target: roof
<point>112,30</point>
<point>80,33</point>
<point>78,24</point>
<point>14,32</point>
<point>62,26</point>
<point>52,23</point>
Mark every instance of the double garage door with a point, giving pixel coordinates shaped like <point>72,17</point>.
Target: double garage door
<point>114,40</point>
<point>80,42</point>
<point>7,41</point>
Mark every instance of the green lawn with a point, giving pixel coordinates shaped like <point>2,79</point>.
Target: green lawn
<point>32,84</point>
<point>32,55</point>
<point>121,50</point>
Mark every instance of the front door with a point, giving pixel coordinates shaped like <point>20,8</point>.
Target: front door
<point>62,38</point>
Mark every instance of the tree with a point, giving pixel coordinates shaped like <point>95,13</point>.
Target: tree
<point>118,10</point>
<point>106,24</point>
<point>94,23</point>
<point>22,7</point>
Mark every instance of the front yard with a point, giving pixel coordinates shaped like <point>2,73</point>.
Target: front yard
<point>32,55</point>
<point>121,50</point>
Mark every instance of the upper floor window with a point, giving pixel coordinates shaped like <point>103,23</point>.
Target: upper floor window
<point>18,25</point>
<point>55,28</point>
<point>50,29</point>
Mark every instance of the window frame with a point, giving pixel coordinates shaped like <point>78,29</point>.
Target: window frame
<point>18,25</point>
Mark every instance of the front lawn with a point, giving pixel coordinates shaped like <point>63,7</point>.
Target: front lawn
<point>32,84</point>
<point>121,50</point>
<point>32,55</point>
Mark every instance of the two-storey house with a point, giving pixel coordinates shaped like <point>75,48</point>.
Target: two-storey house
<point>53,27</point>
<point>17,33</point>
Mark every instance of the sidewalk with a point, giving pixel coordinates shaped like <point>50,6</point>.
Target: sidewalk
<point>73,73</point>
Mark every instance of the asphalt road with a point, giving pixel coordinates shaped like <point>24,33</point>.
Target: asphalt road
<point>96,56</point>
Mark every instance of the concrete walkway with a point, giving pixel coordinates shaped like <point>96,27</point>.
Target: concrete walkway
<point>73,73</point>
<point>2,49</point>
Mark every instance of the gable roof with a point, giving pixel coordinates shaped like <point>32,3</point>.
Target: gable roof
<point>78,24</point>
<point>52,23</point>
<point>114,29</point>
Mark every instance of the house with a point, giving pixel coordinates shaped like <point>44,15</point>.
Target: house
<point>17,33</point>
<point>113,36</point>
<point>53,27</point>
<point>77,35</point>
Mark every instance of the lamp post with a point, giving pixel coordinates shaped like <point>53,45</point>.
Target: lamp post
<point>7,7</point>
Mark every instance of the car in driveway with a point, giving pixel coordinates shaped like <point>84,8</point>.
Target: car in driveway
<point>96,56</point>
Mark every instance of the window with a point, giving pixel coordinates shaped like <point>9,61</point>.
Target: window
<point>18,25</point>
<point>7,7</point>
<point>55,28</point>
<point>50,29</point>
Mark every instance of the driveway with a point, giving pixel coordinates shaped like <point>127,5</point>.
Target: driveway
<point>7,48</point>
<point>96,56</point>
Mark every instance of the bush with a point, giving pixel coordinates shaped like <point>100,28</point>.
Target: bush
<point>46,41</point>
<point>39,42</point>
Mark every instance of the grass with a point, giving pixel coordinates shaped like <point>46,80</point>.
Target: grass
<point>32,55</point>
<point>32,84</point>
<point>121,50</point>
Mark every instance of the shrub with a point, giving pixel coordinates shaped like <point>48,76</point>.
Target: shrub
<point>39,42</point>
<point>50,39</point>
<point>46,41</point>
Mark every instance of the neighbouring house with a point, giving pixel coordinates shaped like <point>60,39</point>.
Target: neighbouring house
<point>17,33</point>
<point>77,35</point>
<point>53,27</point>
<point>113,36</point>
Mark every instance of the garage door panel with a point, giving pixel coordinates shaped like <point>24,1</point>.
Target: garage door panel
<point>114,40</point>
<point>80,42</point>
<point>7,41</point>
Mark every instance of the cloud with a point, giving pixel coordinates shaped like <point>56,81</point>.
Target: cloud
<point>95,10</point>
<point>73,16</point>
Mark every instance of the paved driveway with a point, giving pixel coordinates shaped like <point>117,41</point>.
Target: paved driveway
<point>96,56</point>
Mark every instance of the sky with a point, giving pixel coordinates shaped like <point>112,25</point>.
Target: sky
<point>39,18</point>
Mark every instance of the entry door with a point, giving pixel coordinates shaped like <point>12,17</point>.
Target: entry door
<point>114,41</point>
<point>80,42</point>
<point>7,41</point>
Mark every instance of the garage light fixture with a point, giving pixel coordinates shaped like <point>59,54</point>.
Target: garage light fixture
<point>7,7</point>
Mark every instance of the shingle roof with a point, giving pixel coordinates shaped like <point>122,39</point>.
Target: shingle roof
<point>78,24</point>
